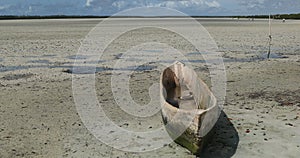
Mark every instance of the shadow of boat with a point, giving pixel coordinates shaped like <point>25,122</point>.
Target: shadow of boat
<point>222,140</point>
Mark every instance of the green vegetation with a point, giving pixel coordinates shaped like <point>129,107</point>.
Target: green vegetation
<point>288,16</point>
<point>11,17</point>
<point>276,16</point>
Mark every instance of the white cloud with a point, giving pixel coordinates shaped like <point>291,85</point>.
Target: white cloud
<point>88,3</point>
<point>110,7</point>
<point>252,3</point>
<point>213,4</point>
<point>193,3</point>
<point>119,4</point>
<point>4,7</point>
<point>169,4</point>
<point>176,4</point>
<point>30,9</point>
<point>270,6</point>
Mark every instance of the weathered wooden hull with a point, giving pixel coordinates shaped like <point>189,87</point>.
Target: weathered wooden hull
<point>189,113</point>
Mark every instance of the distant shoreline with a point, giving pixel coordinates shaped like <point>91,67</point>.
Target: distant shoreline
<point>277,16</point>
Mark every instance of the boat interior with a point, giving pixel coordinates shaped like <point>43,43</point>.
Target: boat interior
<point>178,93</point>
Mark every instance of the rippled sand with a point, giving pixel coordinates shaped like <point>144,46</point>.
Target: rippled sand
<point>38,113</point>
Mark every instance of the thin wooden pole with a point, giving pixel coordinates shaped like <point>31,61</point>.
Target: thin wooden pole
<point>269,24</point>
<point>270,36</point>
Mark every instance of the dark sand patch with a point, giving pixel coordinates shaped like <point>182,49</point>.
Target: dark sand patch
<point>284,98</point>
<point>17,76</point>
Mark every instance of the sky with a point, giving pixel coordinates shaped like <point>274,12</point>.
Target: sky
<point>110,7</point>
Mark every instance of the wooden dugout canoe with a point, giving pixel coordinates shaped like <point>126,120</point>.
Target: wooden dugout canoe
<point>189,108</point>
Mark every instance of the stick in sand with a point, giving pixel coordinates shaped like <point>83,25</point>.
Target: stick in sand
<point>270,37</point>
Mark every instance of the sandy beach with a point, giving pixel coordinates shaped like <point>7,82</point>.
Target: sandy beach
<point>261,115</point>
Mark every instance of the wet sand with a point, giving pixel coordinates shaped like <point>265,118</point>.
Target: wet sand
<point>38,114</point>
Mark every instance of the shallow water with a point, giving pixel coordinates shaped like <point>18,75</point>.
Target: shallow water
<point>14,68</point>
<point>82,69</point>
<point>50,55</point>
<point>78,57</point>
<point>273,56</point>
<point>140,68</point>
<point>39,61</point>
<point>130,68</point>
<point>79,70</point>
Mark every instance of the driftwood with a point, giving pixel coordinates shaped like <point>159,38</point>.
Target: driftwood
<point>189,109</point>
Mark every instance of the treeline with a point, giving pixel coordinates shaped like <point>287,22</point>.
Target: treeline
<point>8,17</point>
<point>288,16</point>
<point>11,17</point>
<point>276,16</point>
